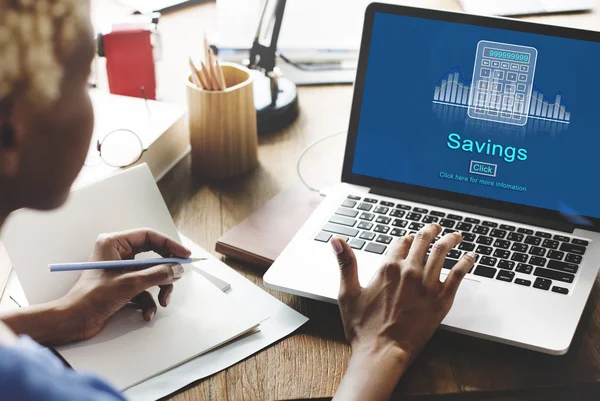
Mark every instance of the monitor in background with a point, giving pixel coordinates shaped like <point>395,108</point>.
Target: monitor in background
<point>490,113</point>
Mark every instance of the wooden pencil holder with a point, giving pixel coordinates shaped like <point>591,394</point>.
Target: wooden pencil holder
<point>223,131</point>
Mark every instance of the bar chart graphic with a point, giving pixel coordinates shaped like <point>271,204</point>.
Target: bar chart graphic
<point>454,91</point>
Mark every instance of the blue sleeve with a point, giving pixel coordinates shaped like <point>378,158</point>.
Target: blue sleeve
<point>29,372</point>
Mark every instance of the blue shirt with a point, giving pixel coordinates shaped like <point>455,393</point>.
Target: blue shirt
<point>29,372</point>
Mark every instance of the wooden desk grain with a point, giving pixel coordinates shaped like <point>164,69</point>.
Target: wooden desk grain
<point>310,364</point>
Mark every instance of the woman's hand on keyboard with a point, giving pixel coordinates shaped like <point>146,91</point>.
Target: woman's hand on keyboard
<point>388,322</point>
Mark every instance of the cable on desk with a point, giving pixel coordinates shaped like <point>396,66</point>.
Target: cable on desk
<point>305,151</point>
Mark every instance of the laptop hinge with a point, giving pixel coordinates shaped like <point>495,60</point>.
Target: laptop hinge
<point>517,218</point>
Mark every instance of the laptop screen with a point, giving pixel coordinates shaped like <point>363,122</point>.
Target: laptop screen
<point>494,113</point>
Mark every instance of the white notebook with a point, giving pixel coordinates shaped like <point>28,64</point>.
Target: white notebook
<point>129,350</point>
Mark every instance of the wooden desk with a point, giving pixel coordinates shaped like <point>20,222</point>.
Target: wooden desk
<point>310,364</point>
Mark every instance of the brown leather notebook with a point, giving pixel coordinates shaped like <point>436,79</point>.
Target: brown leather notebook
<point>260,238</point>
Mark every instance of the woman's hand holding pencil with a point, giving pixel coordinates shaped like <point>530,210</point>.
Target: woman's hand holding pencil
<point>210,76</point>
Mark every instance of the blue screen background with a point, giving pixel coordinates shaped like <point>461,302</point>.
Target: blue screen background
<point>401,139</point>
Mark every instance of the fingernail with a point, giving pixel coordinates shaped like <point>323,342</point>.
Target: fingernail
<point>168,299</point>
<point>151,315</point>
<point>336,244</point>
<point>177,271</point>
<point>472,255</point>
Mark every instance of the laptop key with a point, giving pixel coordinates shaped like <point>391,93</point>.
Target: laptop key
<point>537,261</point>
<point>383,220</point>
<point>356,243</point>
<point>472,220</point>
<point>563,267</point>
<point>524,268</point>
<point>543,234</point>
<point>416,226</point>
<point>525,231</point>
<point>519,257</point>
<point>430,219</point>
<point>533,240</point>
<point>520,281</point>
<point>375,248</point>
<point>501,253</point>
<point>469,237</point>
<point>388,204</point>
<point>560,290</point>
<point>384,239</point>
<point>367,216</point>
<point>537,251</point>
<point>519,248</point>
<point>542,284</point>
<point>349,203</point>
<point>454,254</point>
<point>437,214</point>
<point>336,229</point>
<point>400,223</point>
<point>506,264</point>
<point>371,200</point>
<point>466,246</point>
<point>505,275</point>
<point>363,225</point>
<point>570,248</point>
<point>342,211</point>
<point>403,207</point>
<point>354,197</point>
<point>448,231</point>
<point>323,237</point>
<point>481,230</point>
<point>365,206</point>
<point>562,238</point>
<point>485,240</point>
<point>398,232</point>
<point>498,233</point>
<point>502,244</point>
<point>414,216</point>
<point>488,261</point>
<point>484,250</point>
<point>369,236</point>
<point>447,223</point>
<point>515,237</point>
<point>420,210</point>
<point>344,221</point>
<point>455,217</point>
<point>381,210</point>
<point>580,242</point>
<point>397,213</point>
<point>485,271</point>
<point>381,229</point>
<point>554,275</point>
<point>551,244</point>
<point>506,227</point>
<point>489,224</point>
<point>557,255</point>
<point>464,226</point>
<point>573,258</point>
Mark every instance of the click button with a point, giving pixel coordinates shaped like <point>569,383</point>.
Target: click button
<point>483,168</point>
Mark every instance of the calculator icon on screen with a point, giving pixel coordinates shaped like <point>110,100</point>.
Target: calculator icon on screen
<point>502,82</point>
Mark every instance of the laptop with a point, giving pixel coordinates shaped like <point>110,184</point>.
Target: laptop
<point>525,7</point>
<point>487,126</point>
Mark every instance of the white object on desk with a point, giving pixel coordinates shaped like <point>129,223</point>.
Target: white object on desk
<point>129,350</point>
<point>525,7</point>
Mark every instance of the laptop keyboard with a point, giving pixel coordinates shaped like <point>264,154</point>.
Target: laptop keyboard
<point>508,253</point>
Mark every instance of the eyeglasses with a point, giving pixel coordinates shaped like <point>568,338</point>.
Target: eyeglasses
<point>119,148</point>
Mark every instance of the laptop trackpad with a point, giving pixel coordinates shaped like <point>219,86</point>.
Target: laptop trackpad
<point>463,302</point>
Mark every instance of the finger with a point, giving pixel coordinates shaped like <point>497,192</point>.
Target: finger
<point>456,275</point>
<point>147,303</point>
<point>421,243</point>
<point>144,240</point>
<point>437,257</point>
<point>349,283</point>
<point>164,295</point>
<point>154,276</point>
<point>399,248</point>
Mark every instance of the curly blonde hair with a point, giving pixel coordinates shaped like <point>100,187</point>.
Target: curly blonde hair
<point>35,38</point>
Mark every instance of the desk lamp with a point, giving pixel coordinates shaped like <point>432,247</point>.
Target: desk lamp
<point>275,97</point>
